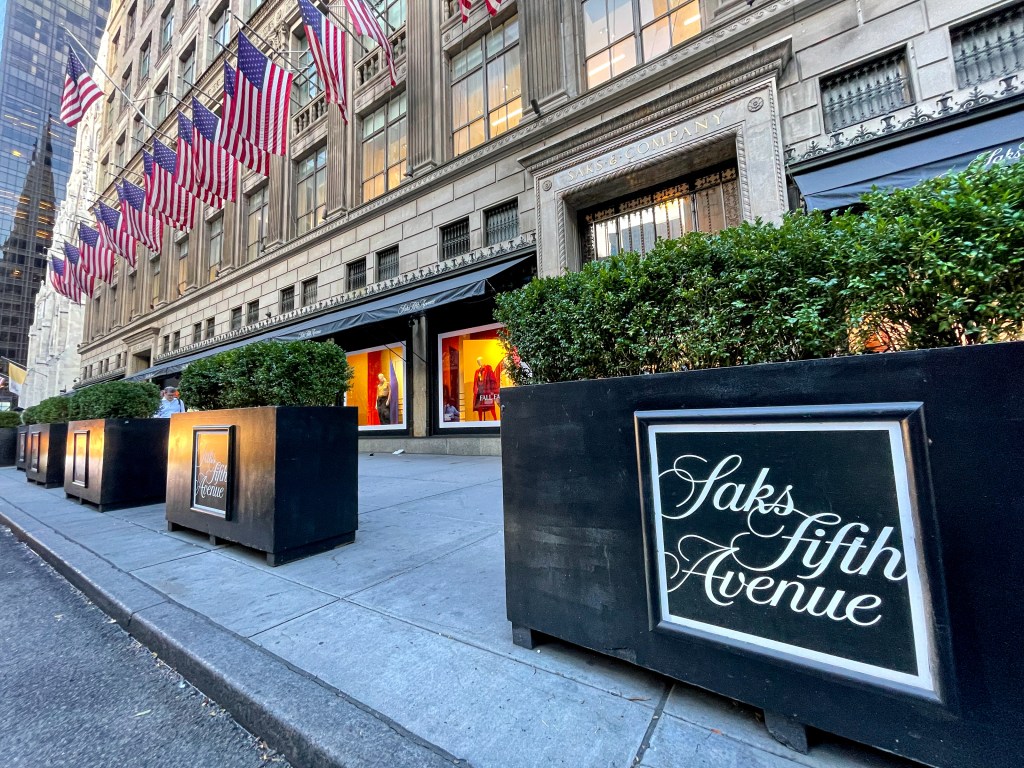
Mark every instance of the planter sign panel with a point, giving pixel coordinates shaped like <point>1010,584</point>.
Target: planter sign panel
<point>795,538</point>
<point>80,458</point>
<point>212,449</point>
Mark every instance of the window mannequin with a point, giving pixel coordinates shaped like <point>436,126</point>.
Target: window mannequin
<point>485,391</point>
<point>383,399</point>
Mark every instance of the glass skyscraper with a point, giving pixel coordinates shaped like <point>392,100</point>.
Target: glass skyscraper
<point>35,146</point>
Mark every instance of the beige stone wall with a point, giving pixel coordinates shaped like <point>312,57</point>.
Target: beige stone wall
<point>752,78</point>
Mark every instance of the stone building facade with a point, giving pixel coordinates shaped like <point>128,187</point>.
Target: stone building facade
<point>525,144</point>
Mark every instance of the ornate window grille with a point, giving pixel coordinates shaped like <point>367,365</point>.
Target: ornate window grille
<point>871,89</point>
<point>989,48</point>
<point>252,313</point>
<point>356,275</point>
<point>387,264</point>
<point>502,223</point>
<point>309,292</point>
<point>287,299</point>
<point>455,239</point>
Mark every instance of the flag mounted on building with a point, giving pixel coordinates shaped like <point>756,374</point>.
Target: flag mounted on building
<point>465,6</point>
<point>364,23</point>
<point>165,198</point>
<point>216,169</point>
<point>249,155</point>
<point>66,288</point>
<point>80,91</point>
<point>259,111</point>
<point>95,260</point>
<point>73,272</point>
<point>186,172</point>
<point>113,235</point>
<point>327,46</point>
<point>16,377</point>
<point>139,222</point>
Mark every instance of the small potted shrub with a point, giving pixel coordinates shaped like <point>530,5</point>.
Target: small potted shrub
<point>45,441</point>
<point>262,458</point>
<point>9,423</point>
<point>116,454</point>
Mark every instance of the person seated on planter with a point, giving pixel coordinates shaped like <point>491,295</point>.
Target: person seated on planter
<point>169,403</point>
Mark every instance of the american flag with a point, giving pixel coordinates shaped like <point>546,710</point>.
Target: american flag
<point>492,6</point>
<point>165,198</point>
<point>465,6</point>
<point>95,260</point>
<point>186,172</point>
<point>327,45</point>
<point>80,91</point>
<point>365,24</point>
<point>250,156</point>
<point>74,276</point>
<point>217,171</point>
<point>140,222</point>
<point>258,112</point>
<point>61,286</point>
<point>113,235</point>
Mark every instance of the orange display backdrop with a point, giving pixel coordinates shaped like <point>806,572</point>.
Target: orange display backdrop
<point>472,373</point>
<point>366,386</point>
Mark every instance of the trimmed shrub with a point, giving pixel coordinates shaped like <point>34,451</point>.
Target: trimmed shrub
<point>756,293</point>
<point>9,419</point>
<point>52,410</point>
<point>115,400</point>
<point>941,263</point>
<point>267,373</point>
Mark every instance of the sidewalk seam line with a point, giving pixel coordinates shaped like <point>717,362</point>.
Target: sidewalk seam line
<point>659,712</point>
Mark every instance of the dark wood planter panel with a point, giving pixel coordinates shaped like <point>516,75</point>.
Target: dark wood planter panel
<point>8,446</point>
<point>579,567</point>
<point>45,460</point>
<point>291,481</point>
<point>116,463</point>
<point>21,451</point>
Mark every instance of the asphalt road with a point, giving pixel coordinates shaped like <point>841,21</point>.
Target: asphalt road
<point>76,690</point>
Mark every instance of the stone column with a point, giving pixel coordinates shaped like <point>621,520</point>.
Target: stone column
<point>424,80</point>
<point>418,356</point>
<point>337,135</point>
<point>280,195</point>
<point>546,43</point>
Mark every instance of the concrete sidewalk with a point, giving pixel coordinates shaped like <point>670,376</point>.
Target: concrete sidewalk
<point>394,650</point>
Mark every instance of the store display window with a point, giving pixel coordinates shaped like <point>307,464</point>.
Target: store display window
<point>472,373</point>
<point>378,387</point>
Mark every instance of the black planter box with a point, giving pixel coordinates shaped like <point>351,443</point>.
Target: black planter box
<point>117,462</point>
<point>45,459</point>
<point>8,446</point>
<point>630,502</point>
<point>21,449</point>
<point>280,480</point>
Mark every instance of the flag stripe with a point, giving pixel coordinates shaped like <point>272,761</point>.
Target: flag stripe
<point>364,23</point>
<point>327,46</point>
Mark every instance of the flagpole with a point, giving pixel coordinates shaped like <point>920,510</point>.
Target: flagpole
<point>299,77</point>
<point>116,86</point>
<point>374,11</point>
<point>263,40</point>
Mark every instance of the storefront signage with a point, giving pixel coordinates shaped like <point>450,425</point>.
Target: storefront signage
<point>212,469</point>
<point>80,458</point>
<point>650,145</point>
<point>789,537</point>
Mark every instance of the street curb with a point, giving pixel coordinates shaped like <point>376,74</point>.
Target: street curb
<point>298,716</point>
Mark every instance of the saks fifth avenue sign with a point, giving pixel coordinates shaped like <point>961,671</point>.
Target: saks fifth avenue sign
<point>651,145</point>
<point>212,449</point>
<point>790,538</point>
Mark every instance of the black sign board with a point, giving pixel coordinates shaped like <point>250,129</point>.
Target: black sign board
<point>80,458</point>
<point>791,532</point>
<point>212,469</point>
<point>22,446</point>
<point>33,451</point>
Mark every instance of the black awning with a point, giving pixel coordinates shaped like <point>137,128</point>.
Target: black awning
<point>898,167</point>
<point>419,299</point>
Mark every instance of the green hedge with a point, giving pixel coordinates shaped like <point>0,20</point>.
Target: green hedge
<point>115,400</point>
<point>52,410</point>
<point>934,265</point>
<point>267,373</point>
<point>10,419</point>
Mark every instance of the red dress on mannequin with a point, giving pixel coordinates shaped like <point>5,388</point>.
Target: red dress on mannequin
<point>485,392</point>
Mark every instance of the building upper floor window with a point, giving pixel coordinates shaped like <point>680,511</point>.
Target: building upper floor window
<point>144,59</point>
<point>387,263</point>
<point>486,88</point>
<point>211,327</point>
<point>126,88</point>
<point>176,342</point>
<point>220,31</point>
<point>163,101</point>
<point>356,275</point>
<point>309,292</point>
<point>619,34</point>
<point>187,71</point>
<point>287,301</point>
<point>455,239</point>
<point>307,81</point>
<point>502,223</point>
<point>236,318</point>
<point>385,147</point>
<point>252,313</point>
<point>256,206</point>
<point>311,190</point>
<point>215,247</point>
<point>182,250</point>
<point>197,333</point>
<point>138,131</point>
<point>167,28</point>
<point>989,47</point>
<point>130,33</point>
<point>392,12</point>
<point>870,89</point>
